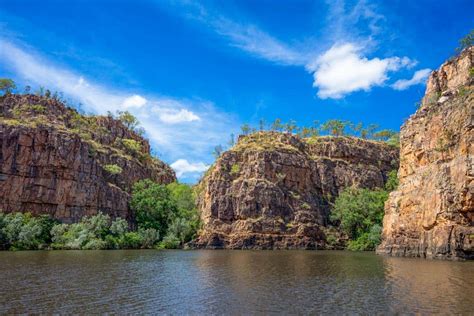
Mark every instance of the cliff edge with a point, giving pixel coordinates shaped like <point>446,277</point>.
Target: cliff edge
<point>56,161</point>
<point>431,214</point>
<point>273,190</point>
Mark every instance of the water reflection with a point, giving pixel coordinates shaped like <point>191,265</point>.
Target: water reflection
<point>231,282</point>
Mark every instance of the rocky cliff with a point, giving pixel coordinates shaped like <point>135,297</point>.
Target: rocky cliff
<point>431,214</point>
<point>56,161</point>
<point>273,190</point>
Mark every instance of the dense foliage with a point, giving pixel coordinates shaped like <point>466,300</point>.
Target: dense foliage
<point>166,217</point>
<point>359,213</point>
<point>168,209</point>
<point>20,231</point>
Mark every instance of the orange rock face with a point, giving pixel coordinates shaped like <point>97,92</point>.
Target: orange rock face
<point>53,161</point>
<point>432,212</point>
<point>273,190</point>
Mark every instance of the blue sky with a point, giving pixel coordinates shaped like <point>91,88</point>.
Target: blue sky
<point>194,72</point>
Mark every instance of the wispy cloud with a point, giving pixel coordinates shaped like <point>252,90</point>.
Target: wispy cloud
<point>248,37</point>
<point>419,77</point>
<point>178,128</point>
<point>338,70</point>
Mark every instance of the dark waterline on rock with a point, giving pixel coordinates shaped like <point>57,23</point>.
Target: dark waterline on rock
<point>231,282</point>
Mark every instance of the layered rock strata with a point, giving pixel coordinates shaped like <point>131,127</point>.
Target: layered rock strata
<point>431,215</point>
<point>56,161</point>
<point>273,190</point>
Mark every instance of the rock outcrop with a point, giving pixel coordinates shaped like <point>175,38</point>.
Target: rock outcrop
<point>273,190</point>
<point>56,161</point>
<point>431,213</point>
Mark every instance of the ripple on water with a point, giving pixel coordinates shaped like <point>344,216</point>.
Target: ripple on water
<point>231,282</point>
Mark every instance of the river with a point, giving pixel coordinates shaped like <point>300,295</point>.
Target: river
<point>231,282</point>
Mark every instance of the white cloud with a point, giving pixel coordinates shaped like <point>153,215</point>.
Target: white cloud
<point>337,72</point>
<point>173,117</point>
<point>182,166</point>
<point>342,69</point>
<point>202,125</point>
<point>134,101</point>
<point>419,77</point>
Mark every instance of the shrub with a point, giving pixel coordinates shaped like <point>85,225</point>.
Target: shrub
<point>358,210</point>
<point>170,242</point>
<point>118,227</point>
<point>392,181</point>
<point>113,169</point>
<point>22,231</point>
<point>153,205</point>
<point>132,146</point>
<point>149,237</point>
<point>130,240</point>
<point>235,169</point>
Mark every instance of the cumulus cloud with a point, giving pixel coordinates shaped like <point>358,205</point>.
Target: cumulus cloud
<point>182,166</point>
<point>419,77</point>
<point>134,101</point>
<point>202,125</point>
<point>342,69</point>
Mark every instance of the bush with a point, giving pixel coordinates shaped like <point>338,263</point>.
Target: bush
<point>113,169</point>
<point>132,146</point>
<point>359,213</point>
<point>170,242</point>
<point>22,231</point>
<point>357,210</point>
<point>153,205</point>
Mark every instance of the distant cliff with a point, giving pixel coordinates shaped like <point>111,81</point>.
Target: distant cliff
<point>432,213</point>
<point>56,161</point>
<point>273,190</point>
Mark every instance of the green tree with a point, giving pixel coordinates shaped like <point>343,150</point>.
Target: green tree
<point>358,210</point>
<point>7,85</point>
<point>384,135</point>
<point>291,126</point>
<point>261,124</point>
<point>217,151</point>
<point>152,205</point>
<point>370,131</point>
<point>466,41</point>
<point>335,127</point>
<point>231,142</point>
<point>277,125</point>
<point>245,129</point>
<point>128,119</point>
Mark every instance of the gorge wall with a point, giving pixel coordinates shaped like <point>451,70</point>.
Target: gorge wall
<point>56,161</point>
<point>432,213</point>
<point>273,190</point>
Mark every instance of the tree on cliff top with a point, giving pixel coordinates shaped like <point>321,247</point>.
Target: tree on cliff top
<point>128,119</point>
<point>7,85</point>
<point>466,41</point>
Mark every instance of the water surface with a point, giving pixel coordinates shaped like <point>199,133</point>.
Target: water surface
<point>231,282</point>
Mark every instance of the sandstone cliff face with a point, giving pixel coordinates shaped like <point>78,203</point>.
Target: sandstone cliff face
<point>273,190</point>
<point>431,214</point>
<point>53,160</point>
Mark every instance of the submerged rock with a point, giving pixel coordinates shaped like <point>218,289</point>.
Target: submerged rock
<point>273,190</point>
<point>432,213</point>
